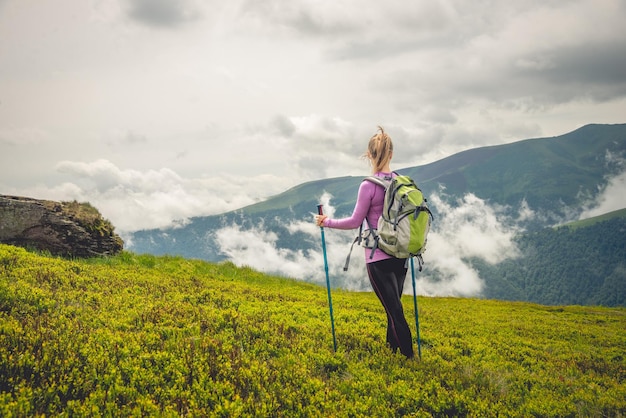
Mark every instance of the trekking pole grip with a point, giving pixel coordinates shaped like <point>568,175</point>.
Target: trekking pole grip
<point>320,211</point>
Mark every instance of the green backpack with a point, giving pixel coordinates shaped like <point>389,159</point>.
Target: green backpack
<point>404,224</point>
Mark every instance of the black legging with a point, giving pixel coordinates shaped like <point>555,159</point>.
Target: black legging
<point>387,278</point>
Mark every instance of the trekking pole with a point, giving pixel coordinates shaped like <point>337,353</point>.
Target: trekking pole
<point>330,299</point>
<point>417,321</point>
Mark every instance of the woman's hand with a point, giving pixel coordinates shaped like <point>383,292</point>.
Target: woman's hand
<point>319,219</point>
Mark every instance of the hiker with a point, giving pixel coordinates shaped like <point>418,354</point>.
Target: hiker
<point>386,273</point>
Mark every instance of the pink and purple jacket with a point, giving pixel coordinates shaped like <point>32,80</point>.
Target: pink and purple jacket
<point>369,204</point>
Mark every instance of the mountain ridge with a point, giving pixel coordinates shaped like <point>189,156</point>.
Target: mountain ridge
<point>552,177</point>
<point>448,170</point>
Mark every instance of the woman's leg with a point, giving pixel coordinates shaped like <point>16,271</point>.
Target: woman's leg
<point>387,279</point>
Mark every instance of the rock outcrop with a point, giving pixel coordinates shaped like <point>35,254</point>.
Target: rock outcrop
<point>69,229</point>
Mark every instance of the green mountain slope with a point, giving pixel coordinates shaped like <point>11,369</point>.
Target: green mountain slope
<point>544,171</point>
<point>594,220</point>
<point>142,335</point>
<point>581,263</point>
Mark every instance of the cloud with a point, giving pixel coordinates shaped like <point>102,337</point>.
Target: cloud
<point>469,228</point>
<point>474,229</point>
<point>133,200</point>
<point>589,71</point>
<point>348,21</point>
<point>302,18</point>
<point>498,63</point>
<point>23,136</point>
<point>163,13</point>
<point>593,62</point>
<point>325,146</point>
<point>612,197</point>
<point>257,248</point>
<point>319,146</point>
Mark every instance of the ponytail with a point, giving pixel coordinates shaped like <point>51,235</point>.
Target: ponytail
<point>379,149</point>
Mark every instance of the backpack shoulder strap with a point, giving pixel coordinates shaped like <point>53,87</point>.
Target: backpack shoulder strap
<point>378,180</point>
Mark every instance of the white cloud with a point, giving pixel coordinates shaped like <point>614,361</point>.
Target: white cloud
<point>611,198</point>
<point>456,278</point>
<point>612,194</point>
<point>257,248</point>
<point>469,228</point>
<point>134,200</point>
<point>472,228</point>
<point>321,146</point>
<point>525,213</point>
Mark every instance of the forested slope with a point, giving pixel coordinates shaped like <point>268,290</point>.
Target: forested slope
<point>583,263</point>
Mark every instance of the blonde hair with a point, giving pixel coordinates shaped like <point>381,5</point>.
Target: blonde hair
<point>379,149</point>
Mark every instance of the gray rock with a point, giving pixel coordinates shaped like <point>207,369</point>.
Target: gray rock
<point>68,229</point>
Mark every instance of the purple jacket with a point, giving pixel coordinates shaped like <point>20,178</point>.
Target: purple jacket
<point>369,203</point>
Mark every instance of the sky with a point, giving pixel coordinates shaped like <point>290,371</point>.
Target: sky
<point>158,110</point>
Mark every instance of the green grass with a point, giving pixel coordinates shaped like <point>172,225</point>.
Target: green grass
<point>89,218</point>
<point>591,221</point>
<point>138,335</point>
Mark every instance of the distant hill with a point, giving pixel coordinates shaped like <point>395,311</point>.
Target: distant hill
<point>581,263</point>
<point>554,177</point>
<point>546,172</point>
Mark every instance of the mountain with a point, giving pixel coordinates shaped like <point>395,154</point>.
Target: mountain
<point>552,177</point>
<point>580,263</point>
<point>545,172</point>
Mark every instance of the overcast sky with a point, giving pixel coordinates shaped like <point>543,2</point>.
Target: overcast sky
<point>146,107</point>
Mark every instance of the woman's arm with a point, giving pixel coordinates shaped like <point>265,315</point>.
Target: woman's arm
<point>361,208</point>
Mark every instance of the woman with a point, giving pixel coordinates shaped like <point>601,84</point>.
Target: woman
<point>386,273</point>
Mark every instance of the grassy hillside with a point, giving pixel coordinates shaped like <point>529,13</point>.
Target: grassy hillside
<point>594,220</point>
<point>165,336</point>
